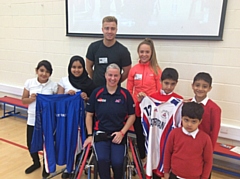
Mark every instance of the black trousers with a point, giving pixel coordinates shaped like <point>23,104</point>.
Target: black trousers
<point>140,137</point>
<point>173,176</point>
<point>34,156</point>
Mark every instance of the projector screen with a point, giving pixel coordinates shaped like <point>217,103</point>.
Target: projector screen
<point>157,19</point>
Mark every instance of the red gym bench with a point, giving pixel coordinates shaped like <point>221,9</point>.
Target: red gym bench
<point>16,103</point>
<point>225,166</point>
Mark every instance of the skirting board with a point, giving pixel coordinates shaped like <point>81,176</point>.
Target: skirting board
<point>14,90</point>
<point>229,132</point>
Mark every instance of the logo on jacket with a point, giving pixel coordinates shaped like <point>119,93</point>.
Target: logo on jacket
<point>164,114</point>
<point>118,101</point>
<point>138,77</point>
<point>101,100</point>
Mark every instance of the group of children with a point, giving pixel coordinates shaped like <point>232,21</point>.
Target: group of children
<point>77,80</point>
<point>188,151</point>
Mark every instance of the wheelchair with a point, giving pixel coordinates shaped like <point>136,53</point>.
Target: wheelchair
<point>132,162</point>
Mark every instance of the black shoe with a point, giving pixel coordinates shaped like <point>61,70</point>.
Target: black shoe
<point>44,173</point>
<point>32,168</point>
<point>65,175</point>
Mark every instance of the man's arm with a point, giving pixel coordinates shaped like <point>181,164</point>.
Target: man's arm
<point>125,72</point>
<point>89,67</point>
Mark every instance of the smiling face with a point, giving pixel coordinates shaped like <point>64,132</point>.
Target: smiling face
<point>77,68</point>
<point>109,30</point>
<point>190,124</point>
<point>200,89</point>
<point>43,74</point>
<point>112,77</point>
<point>144,53</point>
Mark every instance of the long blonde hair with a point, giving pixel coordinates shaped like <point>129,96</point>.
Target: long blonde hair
<point>153,59</point>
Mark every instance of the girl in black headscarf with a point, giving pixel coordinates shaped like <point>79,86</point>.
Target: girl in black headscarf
<point>77,79</point>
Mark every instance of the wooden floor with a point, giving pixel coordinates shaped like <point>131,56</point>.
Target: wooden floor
<point>14,156</point>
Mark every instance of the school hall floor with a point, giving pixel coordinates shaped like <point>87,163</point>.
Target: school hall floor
<point>14,156</point>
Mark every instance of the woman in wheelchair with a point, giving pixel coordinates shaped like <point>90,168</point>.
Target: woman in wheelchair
<point>112,110</point>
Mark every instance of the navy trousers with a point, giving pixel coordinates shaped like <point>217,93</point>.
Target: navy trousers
<point>110,154</point>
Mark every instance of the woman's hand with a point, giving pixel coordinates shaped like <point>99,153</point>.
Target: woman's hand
<point>89,140</point>
<point>118,136</point>
<point>71,92</point>
<point>84,96</point>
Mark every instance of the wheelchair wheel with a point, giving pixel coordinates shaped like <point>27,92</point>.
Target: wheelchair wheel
<point>139,160</point>
<point>95,168</point>
<point>125,167</point>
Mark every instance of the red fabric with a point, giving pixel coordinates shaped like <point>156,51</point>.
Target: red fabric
<point>211,121</point>
<point>149,82</point>
<point>164,98</point>
<point>188,157</point>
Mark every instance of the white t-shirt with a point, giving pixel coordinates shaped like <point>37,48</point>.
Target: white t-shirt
<point>65,83</point>
<point>33,86</point>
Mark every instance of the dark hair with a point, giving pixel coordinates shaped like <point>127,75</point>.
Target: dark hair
<point>192,110</point>
<point>76,58</point>
<point>46,64</point>
<point>169,73</point>
<point>203,76</point>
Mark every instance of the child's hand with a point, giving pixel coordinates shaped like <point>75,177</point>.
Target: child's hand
<point>140,96</point>
<point>166,175</point>
<point>71,92</point>
<point>33,96</point>
<point>84,96</point>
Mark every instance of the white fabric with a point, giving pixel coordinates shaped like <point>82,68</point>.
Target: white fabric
<point>157,122</point>
<point>33,86</point>
<point>163,92</point>
<point>65,83</point>
<point>204,102</point>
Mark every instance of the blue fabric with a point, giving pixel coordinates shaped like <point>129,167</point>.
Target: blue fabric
<point>58,118</point>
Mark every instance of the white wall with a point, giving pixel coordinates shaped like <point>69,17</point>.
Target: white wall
<point>31,30</point>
